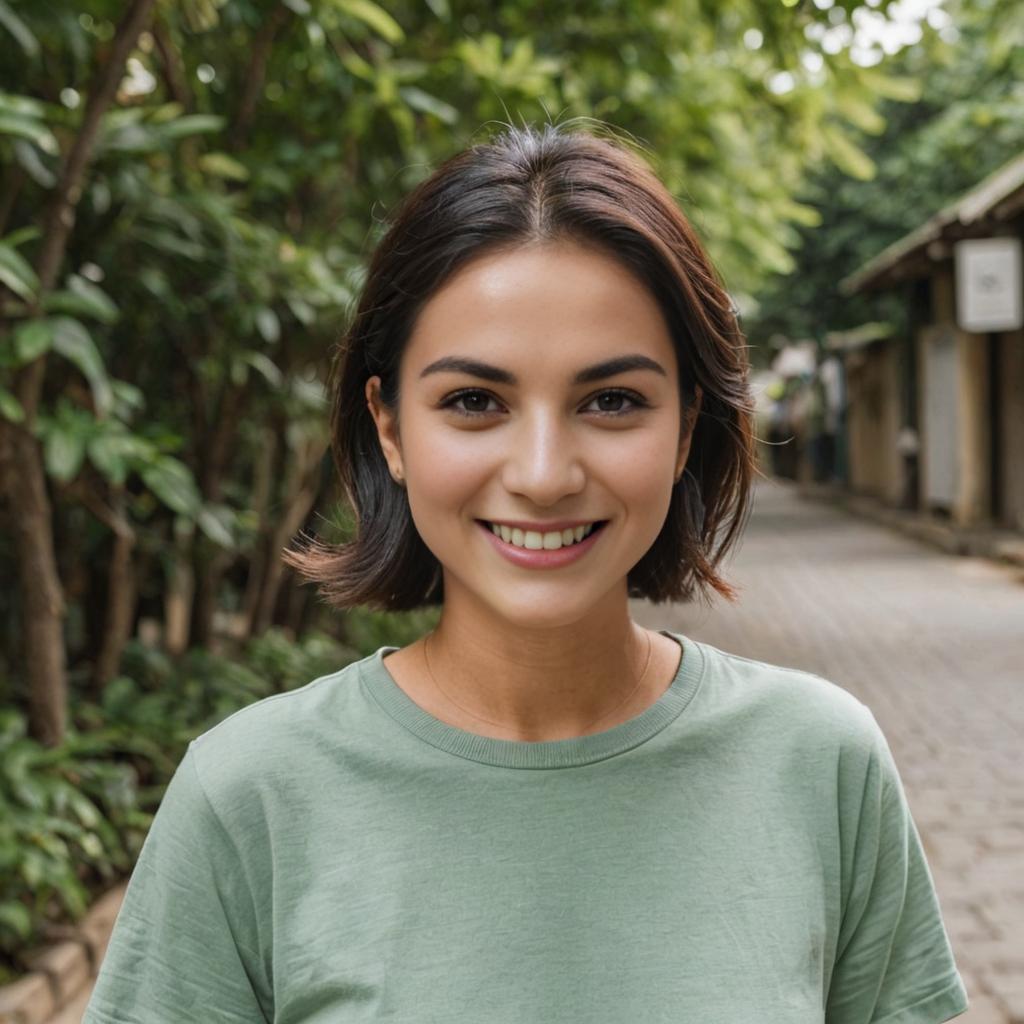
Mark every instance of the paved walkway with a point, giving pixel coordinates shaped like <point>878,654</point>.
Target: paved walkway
<point>934,645</point>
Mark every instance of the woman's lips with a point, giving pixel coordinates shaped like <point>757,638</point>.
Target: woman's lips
<point>530,558</point>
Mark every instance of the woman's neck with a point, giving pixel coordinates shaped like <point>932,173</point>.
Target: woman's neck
<point>535,684</point>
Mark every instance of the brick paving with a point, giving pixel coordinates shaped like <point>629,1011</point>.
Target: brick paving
<point>934,645</point>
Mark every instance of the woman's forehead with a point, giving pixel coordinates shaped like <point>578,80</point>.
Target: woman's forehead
<point>560,302</point>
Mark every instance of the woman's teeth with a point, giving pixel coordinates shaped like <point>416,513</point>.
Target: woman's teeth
<point>535,540</point>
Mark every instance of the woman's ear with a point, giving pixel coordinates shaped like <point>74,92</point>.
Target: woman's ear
<point>387,428</point>
<point>686,431</point>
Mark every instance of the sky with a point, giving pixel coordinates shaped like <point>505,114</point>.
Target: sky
<point>869,35</point>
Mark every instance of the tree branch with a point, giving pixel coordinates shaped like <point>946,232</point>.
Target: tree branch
<point>61,214</point>
<point>262,44</point>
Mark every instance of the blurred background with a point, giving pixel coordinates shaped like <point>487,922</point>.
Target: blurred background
<point>189,191</point>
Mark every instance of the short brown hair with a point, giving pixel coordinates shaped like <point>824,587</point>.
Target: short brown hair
<point>525,186</point>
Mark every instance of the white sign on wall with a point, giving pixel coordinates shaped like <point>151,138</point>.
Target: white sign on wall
<point>989,283</point>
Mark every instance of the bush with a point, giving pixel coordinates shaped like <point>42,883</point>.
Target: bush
<point>73,817</point>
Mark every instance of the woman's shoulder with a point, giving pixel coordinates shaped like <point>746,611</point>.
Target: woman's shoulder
<point>792,701</point>
<point>274,737</point>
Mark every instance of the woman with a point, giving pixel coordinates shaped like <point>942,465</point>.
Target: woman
<point>540,811</point>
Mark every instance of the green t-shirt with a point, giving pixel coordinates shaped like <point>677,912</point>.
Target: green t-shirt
<point>741,851</point>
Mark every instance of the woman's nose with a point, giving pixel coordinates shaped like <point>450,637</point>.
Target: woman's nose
<point>543,462</point>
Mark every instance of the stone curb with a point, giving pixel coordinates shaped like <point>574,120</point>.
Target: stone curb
<point>59,973</point>
<point>1000,545</point>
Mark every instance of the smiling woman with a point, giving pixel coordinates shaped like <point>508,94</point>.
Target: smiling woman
<point>540,811</point>
<point>526,247</point>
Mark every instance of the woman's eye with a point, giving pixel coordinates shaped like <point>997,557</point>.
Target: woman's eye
<point>475,403</point>
<point>613,402</point>
<point>610,402</point>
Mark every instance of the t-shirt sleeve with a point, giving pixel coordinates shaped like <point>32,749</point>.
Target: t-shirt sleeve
<point>894,963</point>
<point>184,945</point>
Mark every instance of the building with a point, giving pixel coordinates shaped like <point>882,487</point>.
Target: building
<point>939,415</point>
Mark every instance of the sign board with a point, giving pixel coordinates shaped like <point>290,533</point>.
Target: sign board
<point>989,283</point>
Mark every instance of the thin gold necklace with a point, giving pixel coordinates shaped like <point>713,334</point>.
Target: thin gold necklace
<point>490,721</point>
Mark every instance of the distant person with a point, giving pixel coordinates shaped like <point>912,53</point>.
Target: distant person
<point>908,445</point>
<point>541,811</point>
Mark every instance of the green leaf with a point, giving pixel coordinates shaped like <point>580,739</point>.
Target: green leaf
<point>358,66</point>
<point>25,39</point>
<point>440,8</point>
<point>73,341</point>
<point>220,165</point>
<point>82,298</point>
<point>63,450</point>
<point>22,106</point>
<point>84,809</point>
<point>301,309</point>
<point>33,868</point>
<point>127,138</point>
<point>166,112</point>
<point>810,216</point>
<point>192,124</point>
<point>216,522</point>
<point>129,398</point>
<point>423,101</point>
<point>91,845</point>
<point>860,112</point>
<point>848,157</point>
<point>172,482</point>
<point>167,242</point>
<point>17,274</point>
<point>265,366</point>
<point>113,451</point>
<point>15,917</point>
<point>29,233</point>
<point>373,15</point>
<point>267,324</point>
<point>10,407</point>
<point>102,305</point>
<point>31,129</point>
<point>201,15</point>
<point>904,90</point>
<point>26,155</point>
<point>32,339</point>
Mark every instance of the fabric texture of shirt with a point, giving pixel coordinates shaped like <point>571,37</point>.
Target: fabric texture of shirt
<point>741,851</point>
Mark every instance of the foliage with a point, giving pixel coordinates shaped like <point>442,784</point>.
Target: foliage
<point>74,817</point>
<point>64,812</point>
<point>367,630</point>
<point>968,122</point>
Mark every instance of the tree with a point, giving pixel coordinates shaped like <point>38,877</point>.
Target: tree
<point>161,415</point>
<point>968,121</point>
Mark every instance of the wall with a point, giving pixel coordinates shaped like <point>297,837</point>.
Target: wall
<point>873,395</point>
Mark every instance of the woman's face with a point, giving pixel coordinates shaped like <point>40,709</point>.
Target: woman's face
<point>511,411</point>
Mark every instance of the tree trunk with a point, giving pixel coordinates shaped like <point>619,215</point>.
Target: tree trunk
<point>39,584</point>
<point>298,598</point>
<point>301,489</point>
<point>121,593</point>
<point>39,590</point>
<point>178,591</point>
<point>15,180</point>
<point>259,54</point>
<point>263,470</point>
<point>210,562</point>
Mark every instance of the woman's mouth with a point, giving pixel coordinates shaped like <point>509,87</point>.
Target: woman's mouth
<point>542,549</point>
<point>536,540</point>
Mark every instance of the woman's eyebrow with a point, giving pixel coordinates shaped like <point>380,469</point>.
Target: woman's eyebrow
<point>589,374</point>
